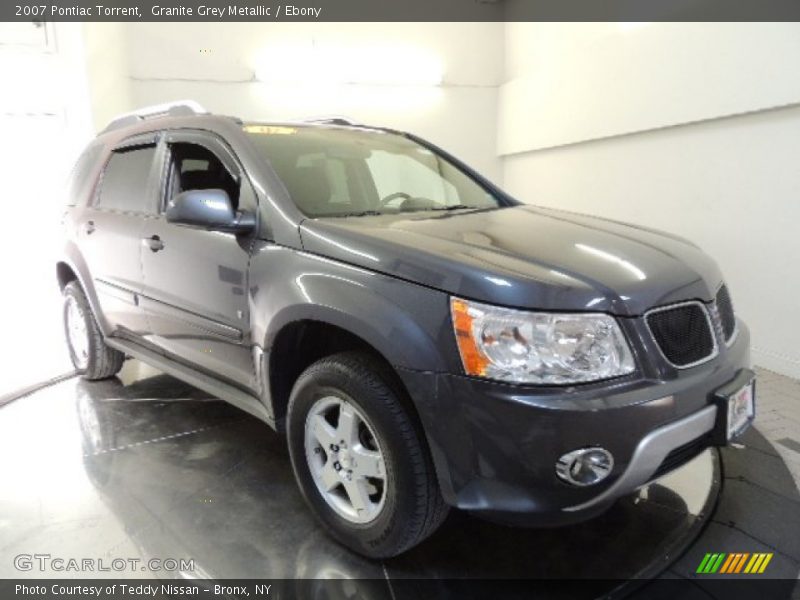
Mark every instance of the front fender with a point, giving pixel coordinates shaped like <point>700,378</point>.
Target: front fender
<point>406,323</point>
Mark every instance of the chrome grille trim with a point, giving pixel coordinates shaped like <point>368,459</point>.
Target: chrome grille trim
<point>728,341</point>
<point>712,329</point>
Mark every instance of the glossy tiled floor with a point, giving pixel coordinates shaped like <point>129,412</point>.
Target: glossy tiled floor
<point>779,416</point>
<point>758,508</point>
<point>147,467</point>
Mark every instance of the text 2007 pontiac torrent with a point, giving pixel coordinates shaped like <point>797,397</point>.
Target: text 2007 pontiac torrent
<point>424,340</point>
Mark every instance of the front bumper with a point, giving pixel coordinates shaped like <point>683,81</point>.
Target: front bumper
<point>495,445</point>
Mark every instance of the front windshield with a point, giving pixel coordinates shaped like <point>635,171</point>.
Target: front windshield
<point>344,172</point>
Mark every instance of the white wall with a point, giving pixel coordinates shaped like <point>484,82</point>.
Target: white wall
<point>106,55</point>
<point>712,158</point>
<point>216,64</point>
<point>572,82</point>
<point>44,123</point>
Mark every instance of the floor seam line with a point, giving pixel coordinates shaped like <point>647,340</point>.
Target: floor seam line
<point>757,539</point>
<point>742,479</point>
<point>156,440</point>
<point>388,580</point>
<point>19,394</point>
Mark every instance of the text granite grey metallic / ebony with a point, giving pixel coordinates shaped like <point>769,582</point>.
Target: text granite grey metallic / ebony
<point>424,340</point>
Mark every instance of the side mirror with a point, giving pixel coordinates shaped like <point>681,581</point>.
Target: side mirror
<point>209,209</point>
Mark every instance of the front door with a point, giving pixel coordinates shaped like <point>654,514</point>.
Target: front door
<point>195,281</point>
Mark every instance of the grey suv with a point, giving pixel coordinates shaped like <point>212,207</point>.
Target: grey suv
<point>423,339</point>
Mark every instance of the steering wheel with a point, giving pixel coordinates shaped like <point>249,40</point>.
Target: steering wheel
<point>385,201</point>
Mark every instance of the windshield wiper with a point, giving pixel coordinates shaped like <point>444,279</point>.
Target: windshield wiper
<point>362,213</point>
<point>453,207</point>
<point>377,213</point>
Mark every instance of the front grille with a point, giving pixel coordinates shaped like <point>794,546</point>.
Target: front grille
<point>682,455</point>
<point>683,332</point>
<point>725,310</point>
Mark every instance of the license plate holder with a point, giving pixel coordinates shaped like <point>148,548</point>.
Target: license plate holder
<point>736,406</point>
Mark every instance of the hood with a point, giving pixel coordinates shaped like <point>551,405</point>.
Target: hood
<point>523,256</point>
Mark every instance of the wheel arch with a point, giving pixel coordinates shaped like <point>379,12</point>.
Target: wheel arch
<point>301,342</point>
<point>293,292</point>
<point>71,266</point>
<point>64,274</point>
<point>301,335</point>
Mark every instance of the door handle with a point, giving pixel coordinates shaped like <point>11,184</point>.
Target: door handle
<point>89,227</point>
<point>154,243</point>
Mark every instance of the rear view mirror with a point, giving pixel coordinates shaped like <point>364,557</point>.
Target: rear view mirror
<point>210,209</point>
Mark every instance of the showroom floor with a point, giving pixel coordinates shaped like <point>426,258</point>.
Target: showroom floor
<point>145,466</point>
<point>779,416</point>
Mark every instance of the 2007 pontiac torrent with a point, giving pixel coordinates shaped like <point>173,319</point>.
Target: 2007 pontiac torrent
<point>424,340</point>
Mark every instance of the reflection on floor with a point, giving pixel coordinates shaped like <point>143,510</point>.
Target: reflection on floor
<point>758,511</point>
<point>147,467</point>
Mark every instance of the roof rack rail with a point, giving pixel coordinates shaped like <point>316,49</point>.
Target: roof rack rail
<point>181,108</point>
<point>331,120</point>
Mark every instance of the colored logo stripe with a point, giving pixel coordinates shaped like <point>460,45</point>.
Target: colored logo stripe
<point>734,563</point>
<point>732,558</point>
<point>711,563</point>
<point>758,563</point>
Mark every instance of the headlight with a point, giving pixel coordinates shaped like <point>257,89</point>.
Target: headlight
<point>538,347</point>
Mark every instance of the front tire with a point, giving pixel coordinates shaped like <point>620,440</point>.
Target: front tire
<point>360,459</point>
<point>90,355</point>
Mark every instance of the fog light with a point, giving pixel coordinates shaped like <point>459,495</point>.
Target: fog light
<point>585,466</point>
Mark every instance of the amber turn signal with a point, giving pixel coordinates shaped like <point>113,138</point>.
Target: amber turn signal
<point>472,358</point>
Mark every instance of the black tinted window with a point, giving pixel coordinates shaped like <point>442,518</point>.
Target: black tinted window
<point>124,184</point>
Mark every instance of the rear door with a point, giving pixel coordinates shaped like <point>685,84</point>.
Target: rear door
<point>196,281</point>
<point>111,231</point>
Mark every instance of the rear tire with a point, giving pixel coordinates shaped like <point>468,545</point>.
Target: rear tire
<point>375,490</point>
<point>90,355</point>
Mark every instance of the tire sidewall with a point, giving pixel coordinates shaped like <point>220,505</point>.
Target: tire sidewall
<point>71,292</point>
<point>333,380</point>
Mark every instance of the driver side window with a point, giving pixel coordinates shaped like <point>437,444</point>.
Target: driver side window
<point>195,167</point>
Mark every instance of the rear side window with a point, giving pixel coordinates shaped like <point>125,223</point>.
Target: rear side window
<point>80,179</point>
<point>124,185</point>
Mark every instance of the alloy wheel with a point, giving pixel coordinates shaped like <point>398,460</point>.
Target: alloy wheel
<point>345,459</point>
